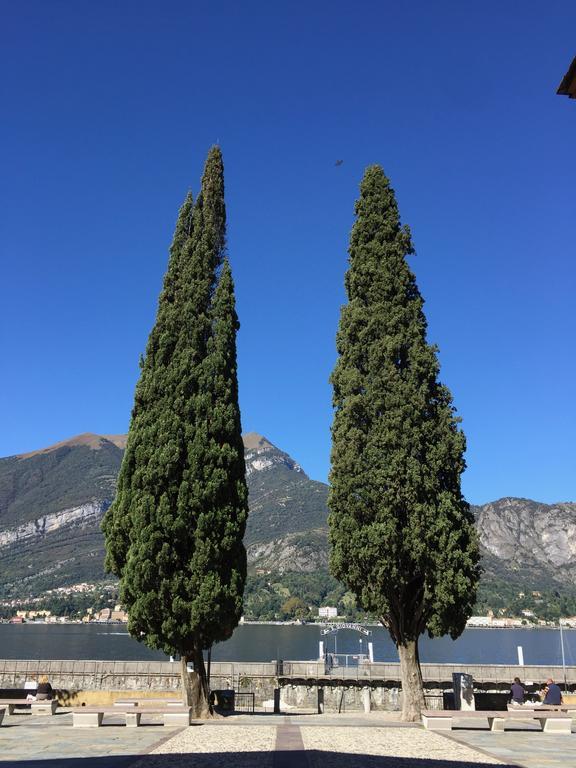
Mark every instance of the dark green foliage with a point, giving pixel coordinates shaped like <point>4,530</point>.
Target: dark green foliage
<point>74,605</point>
<point>402,535</point>
<point>266,596</point>
<point>174,533</point>
<point>508,591</point>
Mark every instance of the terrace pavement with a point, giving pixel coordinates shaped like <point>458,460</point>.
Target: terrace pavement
<point>351,740</point>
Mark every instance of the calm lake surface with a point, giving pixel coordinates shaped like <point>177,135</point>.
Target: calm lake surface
<point>258,642</point>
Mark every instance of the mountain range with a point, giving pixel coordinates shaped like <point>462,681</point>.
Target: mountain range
<point>52,501</point>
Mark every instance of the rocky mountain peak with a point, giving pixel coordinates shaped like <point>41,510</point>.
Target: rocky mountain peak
<point>260,454</point>
<point>253,442</point>
<point>522,531</point>
<point>86,439</point>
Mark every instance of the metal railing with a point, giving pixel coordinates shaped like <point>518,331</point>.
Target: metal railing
<point>440,673</point>
<point>244,701</point>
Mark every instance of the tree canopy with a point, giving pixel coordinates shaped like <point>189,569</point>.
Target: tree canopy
<point>403,537</point>
<point>174,532</point>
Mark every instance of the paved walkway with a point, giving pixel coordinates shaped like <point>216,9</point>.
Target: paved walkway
<point>276,741</point>
<point>527,746</point>
<point>29,741</point>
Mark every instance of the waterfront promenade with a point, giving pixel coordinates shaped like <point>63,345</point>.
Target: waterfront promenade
<point>375,740</point>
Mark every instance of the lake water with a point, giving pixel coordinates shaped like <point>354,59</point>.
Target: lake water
<point>260,642</point>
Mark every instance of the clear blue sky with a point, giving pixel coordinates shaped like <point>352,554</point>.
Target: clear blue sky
<point>107,112</point>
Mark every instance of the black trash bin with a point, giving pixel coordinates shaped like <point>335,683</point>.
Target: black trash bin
<point>224,700</point>
<point>491,700</point>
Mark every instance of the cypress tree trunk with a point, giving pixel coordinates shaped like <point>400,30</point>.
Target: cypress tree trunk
<point>195,685</point>
<point>412,685</point>
<point>187,688</point>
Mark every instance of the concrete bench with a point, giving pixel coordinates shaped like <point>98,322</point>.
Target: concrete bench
<point>42,707</point>
<point>11,704</point>
<point>92,717</point>
<point>145,702</point>
<point>550,721</point>
<point>542,708</point>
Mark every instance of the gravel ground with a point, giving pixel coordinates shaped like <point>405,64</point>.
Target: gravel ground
<point>389,748</point>
<point>238,746</point>
<point>210,746</point>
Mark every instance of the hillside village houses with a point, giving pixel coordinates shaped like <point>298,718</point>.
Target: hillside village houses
<point>510,623</point>
<point>492,621</point>
<point>116,614</point>
<point>33,614</point>
<point>45,617</point>
<point>106,614</point>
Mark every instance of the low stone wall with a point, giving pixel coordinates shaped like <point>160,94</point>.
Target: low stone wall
<point>93,675</point>
<point>100,682</point>
<point>375,685</point>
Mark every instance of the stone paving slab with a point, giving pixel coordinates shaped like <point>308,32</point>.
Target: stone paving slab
<point>525,746</point>
<point>28,741</point>
<point>289,748</point>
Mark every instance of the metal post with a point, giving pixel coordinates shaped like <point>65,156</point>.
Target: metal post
<point>563,658</point>
<point>365,696</point>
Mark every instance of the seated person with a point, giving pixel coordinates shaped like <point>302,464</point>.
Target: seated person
<point>517,692</point>
<point>44,691</point>
<point>552,694</point>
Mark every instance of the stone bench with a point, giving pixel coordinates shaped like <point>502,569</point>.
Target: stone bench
<point>91,717</point>
<point>11,704</point>
<point>542,708</point>
<point>144,702</point>
<point>42,707</point>
<point>550,721</point>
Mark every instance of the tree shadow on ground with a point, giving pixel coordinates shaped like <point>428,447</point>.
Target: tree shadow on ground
<point>279,759</point>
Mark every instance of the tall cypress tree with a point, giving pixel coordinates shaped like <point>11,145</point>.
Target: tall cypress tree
<point>170,536</point>
<point>403,537</point>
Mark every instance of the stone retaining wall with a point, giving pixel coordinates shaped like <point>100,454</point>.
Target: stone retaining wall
<point>376,684</point>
